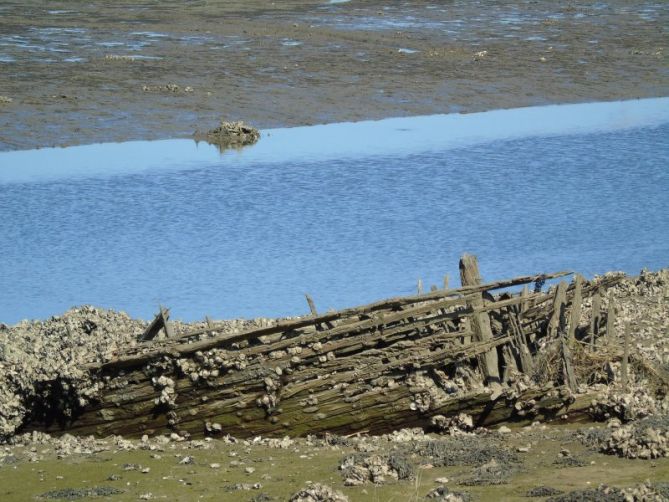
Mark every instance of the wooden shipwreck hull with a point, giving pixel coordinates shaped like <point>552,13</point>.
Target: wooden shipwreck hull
<point>375,368</point>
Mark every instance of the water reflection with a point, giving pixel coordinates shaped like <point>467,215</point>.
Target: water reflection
<point>388,137</point>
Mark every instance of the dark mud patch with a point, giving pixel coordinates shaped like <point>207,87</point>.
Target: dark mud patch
<point>80,493</point>
<point>543,491</point>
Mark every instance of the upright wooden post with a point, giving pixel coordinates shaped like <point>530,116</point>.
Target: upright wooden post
<point>626,355</point>
<point>480,322</point>
<point>611,320</point>
<point>165,314</point>
<point>575,315</point>
<point>524,294</point>
<point>446,282</point>
<point>420,286</point>
<point>557,317</point>
<point>312,305</point>
<point>596,318</point>
<point>521,344</point>
<point>568,375</point>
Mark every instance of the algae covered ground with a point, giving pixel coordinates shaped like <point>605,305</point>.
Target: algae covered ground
<point>489,465</point>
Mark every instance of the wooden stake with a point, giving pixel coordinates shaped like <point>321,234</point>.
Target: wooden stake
<point>626,355</point>
<point>575,315</point>
<point>521,343</point>
<point>446,282</point>
<point>611,321</point>
<point>167,326</point>
<point>568,371</point>
<point>480,322</point>
<point>525,293</point>
<point>312,305</point>
<point>596,318</point>
<point>420,286</point>
<point>154,327</point>
<point>557,317</point>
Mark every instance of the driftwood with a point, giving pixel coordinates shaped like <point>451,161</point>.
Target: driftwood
<point>377,367</point>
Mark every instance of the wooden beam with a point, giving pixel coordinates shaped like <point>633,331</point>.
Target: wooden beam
<point>165,314</point>
<point>480,322</point>
<point>312,305</point>
<point>154,327</point>
<point>595,319</point>
<point>557,317</point>
<point>611,320</point>
<point>576,305</point>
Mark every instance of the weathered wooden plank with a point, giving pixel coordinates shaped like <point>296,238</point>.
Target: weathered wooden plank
<point>312,305</point>
<point>480,322</point>
<point>576,305</point>
<point>611,321</point>
<point>595,319</point>
<point>557,316</point>
<point>154,327</point>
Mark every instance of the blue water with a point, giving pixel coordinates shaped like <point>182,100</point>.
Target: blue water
<point>348,212</point>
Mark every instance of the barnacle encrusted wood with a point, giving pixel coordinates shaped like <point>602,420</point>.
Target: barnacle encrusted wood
<point>396,363</point>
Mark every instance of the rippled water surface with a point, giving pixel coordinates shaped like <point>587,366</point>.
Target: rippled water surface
<point>347,212</point>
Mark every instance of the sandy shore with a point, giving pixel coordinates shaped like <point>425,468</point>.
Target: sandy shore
<point>76,74</point>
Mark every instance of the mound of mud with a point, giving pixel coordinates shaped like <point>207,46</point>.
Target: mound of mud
<point>230,135</point>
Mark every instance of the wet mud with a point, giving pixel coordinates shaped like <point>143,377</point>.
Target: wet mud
<point>73,73</point>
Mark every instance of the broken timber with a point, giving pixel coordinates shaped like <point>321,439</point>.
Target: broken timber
<point>377,367</point>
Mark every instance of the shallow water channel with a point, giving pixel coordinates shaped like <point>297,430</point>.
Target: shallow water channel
<point>346,212</point>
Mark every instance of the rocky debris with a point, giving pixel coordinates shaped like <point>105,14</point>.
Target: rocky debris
<point>542,491</point>
<point>317,492</point>
<point>405,435</point>
<point>643,439</point>
<point>80,493</point>
<point>443,494</point>
<point>360,468</point>
<point>120,57</point>
<point>243,487</point>
<point>230,135</point>
<point>336,440</point>
<point>645,492</point>
<point>635,404</point>
<point>171,87</point>
<point>262,497</point>
<point>465,450</point>
<point>42,362</point>
<point>5,100</point>
<point>490,473</point>
<point>42,358</point>
<point>569,460</point>
<point>461,423</point>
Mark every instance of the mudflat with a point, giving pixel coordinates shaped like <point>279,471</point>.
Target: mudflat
<point>73,73</point>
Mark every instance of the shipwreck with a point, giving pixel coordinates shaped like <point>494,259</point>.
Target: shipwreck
<point>497,351</point>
